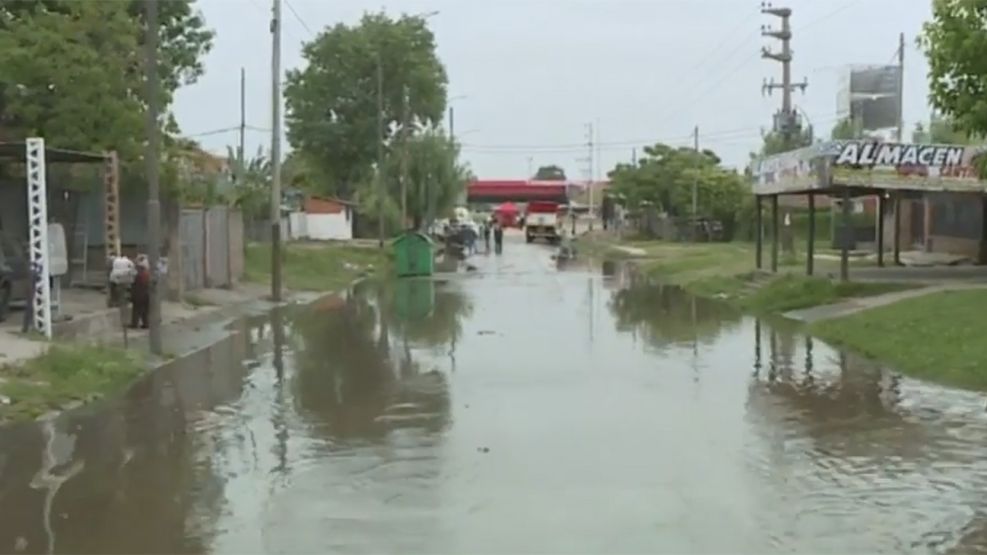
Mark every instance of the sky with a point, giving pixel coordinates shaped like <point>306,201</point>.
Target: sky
<point>528,76</point>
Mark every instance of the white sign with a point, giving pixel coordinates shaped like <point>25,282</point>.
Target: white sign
<point>860,153</point>
<point>58,260</point>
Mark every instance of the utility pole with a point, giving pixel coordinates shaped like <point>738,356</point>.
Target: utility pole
<point>276,153</point>
<point>380,153</point>
<point>405,132</point>
<point>452,124</point>
<point>241,170</point>
<point>785,121</point>
<point>634,157</point>
<point>153,185</point>
<point>901,87</point>
<point>695,185</point>
<point>589,145</point>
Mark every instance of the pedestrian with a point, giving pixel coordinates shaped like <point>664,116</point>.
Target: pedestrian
<point>486,236</point>
<point>140,294</point>
<point>498,234</point>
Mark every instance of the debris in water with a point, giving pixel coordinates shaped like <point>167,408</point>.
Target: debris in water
<point>483,449</point>
<point>486,332</point>
<point>20,544</point>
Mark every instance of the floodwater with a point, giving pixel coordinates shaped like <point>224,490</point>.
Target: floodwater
<point>521,408</point>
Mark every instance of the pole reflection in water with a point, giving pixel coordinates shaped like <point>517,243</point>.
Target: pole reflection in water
<point>59,448</point>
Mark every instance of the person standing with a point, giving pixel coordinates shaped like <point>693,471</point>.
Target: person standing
<point>486,235</point>
<point>140,294</point>
<point>498,233</point>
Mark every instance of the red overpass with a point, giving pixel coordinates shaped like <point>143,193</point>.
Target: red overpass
<point>497,191</point>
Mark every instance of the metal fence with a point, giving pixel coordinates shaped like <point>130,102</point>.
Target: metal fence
<point>211,247</point>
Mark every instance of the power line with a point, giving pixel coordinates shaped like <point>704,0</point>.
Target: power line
<point>298,17</point>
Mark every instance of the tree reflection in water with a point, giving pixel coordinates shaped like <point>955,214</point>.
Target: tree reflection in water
<point>354,383</point>
<point>666,315</point>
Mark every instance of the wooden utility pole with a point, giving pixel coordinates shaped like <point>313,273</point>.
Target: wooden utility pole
<point>153,184</point>
<point>785,121</point>
<point>276,153</point>
<point>380,154</point>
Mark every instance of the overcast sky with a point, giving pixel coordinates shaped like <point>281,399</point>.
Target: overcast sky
<point>535,72</point>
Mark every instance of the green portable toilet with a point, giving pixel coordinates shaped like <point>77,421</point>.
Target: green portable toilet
<point>413,255</point>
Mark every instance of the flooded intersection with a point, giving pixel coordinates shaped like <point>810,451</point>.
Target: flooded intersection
<point>524,407</point>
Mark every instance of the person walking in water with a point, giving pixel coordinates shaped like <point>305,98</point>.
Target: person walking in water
<point>498,233</point>
<point>486,235</point>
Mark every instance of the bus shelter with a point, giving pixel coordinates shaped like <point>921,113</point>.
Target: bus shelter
<point>851,169</point>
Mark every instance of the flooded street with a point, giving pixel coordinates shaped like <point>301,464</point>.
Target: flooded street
<point>521,408</point>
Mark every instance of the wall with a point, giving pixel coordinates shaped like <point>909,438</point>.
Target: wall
<point>329,226</point>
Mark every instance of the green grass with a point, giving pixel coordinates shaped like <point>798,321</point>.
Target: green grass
<point>791,292</point>
<point>63,374</point>
<point>938,337</point>
<point>316,266</point>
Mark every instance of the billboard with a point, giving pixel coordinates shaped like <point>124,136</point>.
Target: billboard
<point>869,95</point>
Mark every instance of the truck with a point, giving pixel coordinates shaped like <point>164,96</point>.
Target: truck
<point>542,220</point>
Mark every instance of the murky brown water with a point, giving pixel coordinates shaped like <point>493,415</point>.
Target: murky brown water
<point>521,408</point>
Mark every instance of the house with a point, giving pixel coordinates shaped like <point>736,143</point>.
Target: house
<point>322,219</point>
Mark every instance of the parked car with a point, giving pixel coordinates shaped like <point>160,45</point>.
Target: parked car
<point>15,277</point>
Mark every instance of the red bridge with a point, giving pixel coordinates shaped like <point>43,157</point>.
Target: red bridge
<point>497,191</point>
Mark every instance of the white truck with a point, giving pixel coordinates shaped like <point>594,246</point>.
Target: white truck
<point>541,221</point>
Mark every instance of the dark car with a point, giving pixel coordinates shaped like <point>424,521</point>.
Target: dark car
<point>15,284</point>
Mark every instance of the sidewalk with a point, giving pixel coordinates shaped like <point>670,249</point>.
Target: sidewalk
<point>92,321</point>
<point>853,306</point>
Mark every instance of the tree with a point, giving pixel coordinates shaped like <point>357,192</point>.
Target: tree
<point>665,177</point>
<point>954,42</point>
<point>940,130</point>
<point>844,130</point>
<point>73,71</point>
<point>435,178</point>
<point>332,104</point>
<point>75,94</point>
<point>550,173</point>
<point>775,143</point>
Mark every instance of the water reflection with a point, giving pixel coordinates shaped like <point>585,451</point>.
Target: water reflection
<point>120,476</point>
<point>356,375</point>
<point>665,315</point>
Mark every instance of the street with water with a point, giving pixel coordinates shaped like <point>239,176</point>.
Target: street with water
<point>529,406</point>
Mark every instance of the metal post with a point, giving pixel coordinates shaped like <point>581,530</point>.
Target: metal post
<point>452,124</point>
<point>881,204</point>
<point>774,233</point>
<point>405,122</point>
<point>759,232</point>
<point>901,87</point>
<point>380,153</point>
<point>153,185</point>
<point>897,228</point>
<point>243,127</point>
<point>845,237</point>
<point>810,254</point>
<point>695,186</point>
<point>37,204</point>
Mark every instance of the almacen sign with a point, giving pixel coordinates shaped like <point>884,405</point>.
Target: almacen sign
<point>878,165</point>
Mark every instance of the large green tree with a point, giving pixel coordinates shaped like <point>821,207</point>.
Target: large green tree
<point>332,102</point>
<point>72,71</point>
<point>954,41</point>
<point>665,177</point>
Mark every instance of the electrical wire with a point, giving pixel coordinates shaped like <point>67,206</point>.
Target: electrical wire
<point>298,18</point>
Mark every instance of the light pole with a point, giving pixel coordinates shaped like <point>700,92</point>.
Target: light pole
<point>153,185</point>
